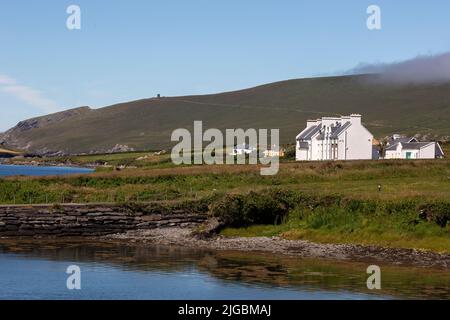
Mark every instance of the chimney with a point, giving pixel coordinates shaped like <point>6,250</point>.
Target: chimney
<point>355,118</point>
<point>310,123</point>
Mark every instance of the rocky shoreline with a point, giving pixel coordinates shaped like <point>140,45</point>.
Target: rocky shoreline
<point>84,220</point>
<point>184,225</point>
<point>177,236</point>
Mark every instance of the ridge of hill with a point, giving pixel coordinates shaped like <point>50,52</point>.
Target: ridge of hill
<point>147,124</point>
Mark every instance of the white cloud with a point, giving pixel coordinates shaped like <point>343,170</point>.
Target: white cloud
<point>422,69</point>
<point>5,80</point>
<point>27,94</point>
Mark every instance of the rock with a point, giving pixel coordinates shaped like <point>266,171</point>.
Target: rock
<point>86,220</point>
<point>120,148</point>
<point>209,228</point>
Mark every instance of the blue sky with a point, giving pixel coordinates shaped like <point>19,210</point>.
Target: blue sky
<point>135,49</point>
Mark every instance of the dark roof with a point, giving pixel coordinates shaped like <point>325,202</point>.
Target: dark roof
<point>309,133</point>
<point>415,145</point>
<point>402,140</point>
<point>408,146</point>
<point>336,131</point>
<point>392,147</point>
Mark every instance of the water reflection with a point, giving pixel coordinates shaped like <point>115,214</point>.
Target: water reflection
<point>239,269</point>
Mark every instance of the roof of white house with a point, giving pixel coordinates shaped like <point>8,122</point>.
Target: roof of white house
<point>336,130</point>
<point>328,127</point>
<point>396,139</point>
<point>409,145</point>
<point>309,133</point>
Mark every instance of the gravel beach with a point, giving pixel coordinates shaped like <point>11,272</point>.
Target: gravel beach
<point>301,248</point>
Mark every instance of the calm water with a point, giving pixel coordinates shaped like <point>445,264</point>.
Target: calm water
<point>11,170</point>
<point>30,270</point>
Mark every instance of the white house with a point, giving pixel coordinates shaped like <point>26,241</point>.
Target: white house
<point>399,147</point>
<point>334,138</point>
<point>243,149</point>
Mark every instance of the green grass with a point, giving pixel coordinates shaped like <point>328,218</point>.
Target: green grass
<point>325,202</point>
<point>446,149</point>
<point>331,225</point>
<point>413,223</point>
<point>429,180</point>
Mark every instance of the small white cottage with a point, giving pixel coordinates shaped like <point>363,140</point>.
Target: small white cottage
<point>399,147</point>
<point>334,138</point>
<point>243,149</point>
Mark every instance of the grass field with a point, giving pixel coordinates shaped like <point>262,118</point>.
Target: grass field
<point>428,179</point>
<point>389,217</point>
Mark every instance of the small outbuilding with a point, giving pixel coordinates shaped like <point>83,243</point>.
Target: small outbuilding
<point>410,148</point>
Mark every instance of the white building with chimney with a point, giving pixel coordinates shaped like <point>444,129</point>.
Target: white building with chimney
<point>334,138</point>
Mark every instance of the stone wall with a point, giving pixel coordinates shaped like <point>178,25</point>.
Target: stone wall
<point>89,220</point>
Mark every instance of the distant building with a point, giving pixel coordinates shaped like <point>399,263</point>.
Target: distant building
<point>243,149</point>
<point>274,151</point>
<point>334,138</point>
<point>400,147</point>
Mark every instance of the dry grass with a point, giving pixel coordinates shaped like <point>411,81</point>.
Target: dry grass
<point>399,179</point>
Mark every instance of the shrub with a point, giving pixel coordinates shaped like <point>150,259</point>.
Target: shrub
<point>438,213</point>
<point>252,208</point>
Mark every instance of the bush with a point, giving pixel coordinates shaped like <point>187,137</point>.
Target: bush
<point>438,213</point>
<point>289,152</point>
<point>252,208</point>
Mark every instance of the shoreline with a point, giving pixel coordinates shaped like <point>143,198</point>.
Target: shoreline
<point>183,237</point>
<point>48,164</point>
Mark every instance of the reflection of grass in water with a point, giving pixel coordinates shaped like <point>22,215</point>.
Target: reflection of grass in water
<point>246,267</point>
<point>410,282</point>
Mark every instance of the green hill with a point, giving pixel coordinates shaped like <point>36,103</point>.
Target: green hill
<point>147,124</point>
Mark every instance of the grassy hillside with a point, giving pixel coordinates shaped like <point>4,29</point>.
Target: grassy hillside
<point>148,124</point>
